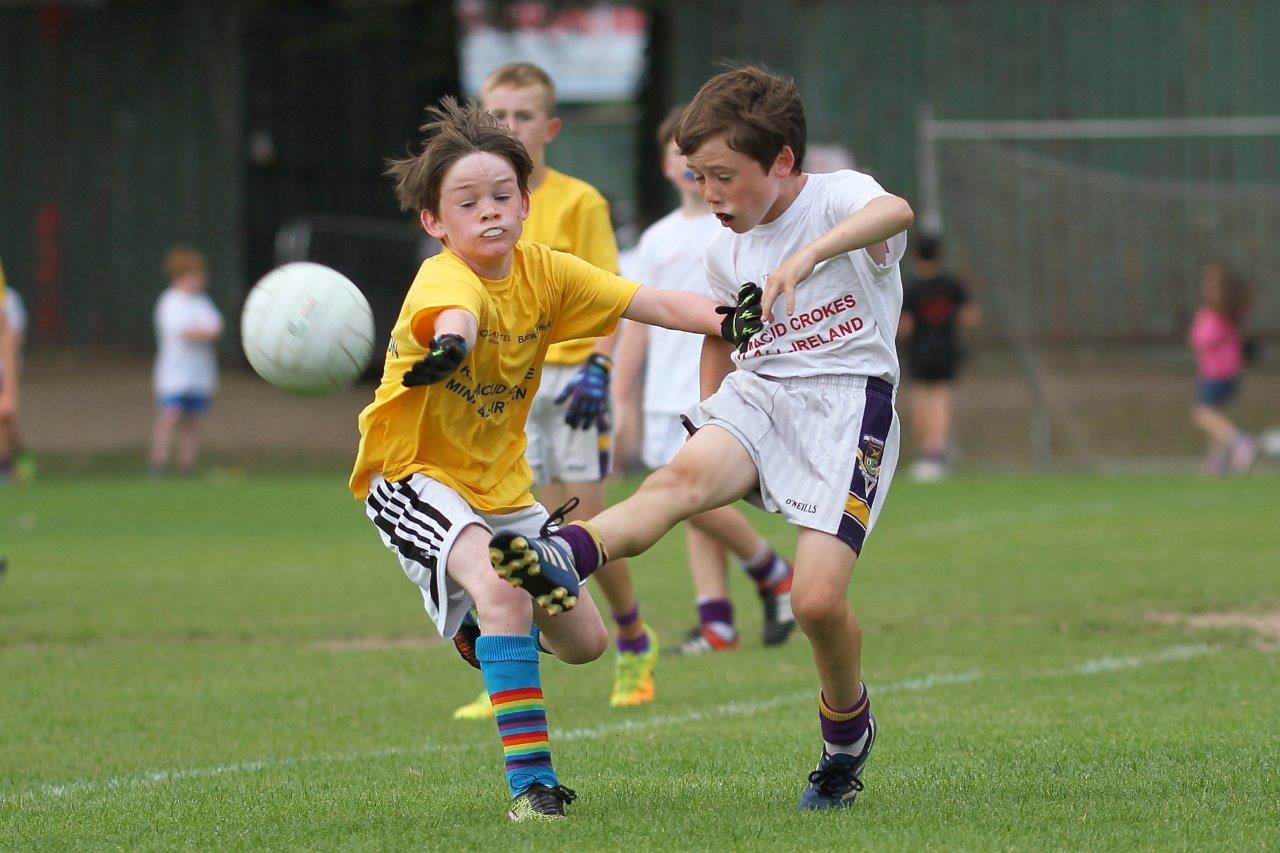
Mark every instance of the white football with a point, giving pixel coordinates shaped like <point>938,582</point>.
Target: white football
<point>307,329</point>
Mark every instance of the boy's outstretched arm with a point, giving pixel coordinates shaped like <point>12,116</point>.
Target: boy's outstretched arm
<point>674,309</point>
<point>878,220</point>
<point>448,336</point>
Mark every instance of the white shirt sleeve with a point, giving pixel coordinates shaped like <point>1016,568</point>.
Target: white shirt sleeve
<point>848,193</point>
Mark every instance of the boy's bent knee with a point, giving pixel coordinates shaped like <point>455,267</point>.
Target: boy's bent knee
<point>497,600</point>
<point>586,643</point>
<point>678,485</point>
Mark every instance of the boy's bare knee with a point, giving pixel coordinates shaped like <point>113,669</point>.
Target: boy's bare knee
<point>678,485</point>
<point>497,600</point>
<point>817,610</point>
<point>587,645</point>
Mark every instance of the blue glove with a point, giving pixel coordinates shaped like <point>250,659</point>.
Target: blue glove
<point>588,393</point>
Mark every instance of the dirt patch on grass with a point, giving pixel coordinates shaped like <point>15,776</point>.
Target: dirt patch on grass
<point>1264,624</point>
<point>377,644</point>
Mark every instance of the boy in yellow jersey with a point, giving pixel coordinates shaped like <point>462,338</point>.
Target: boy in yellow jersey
<point>569,430</point>
<point>442,445</point>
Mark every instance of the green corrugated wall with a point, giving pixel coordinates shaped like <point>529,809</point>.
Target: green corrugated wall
<point>1110,257</point>
<point>127,119</point>
<point>864,67</point>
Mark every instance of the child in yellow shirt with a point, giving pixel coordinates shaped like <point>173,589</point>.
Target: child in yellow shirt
<point>442,446</point>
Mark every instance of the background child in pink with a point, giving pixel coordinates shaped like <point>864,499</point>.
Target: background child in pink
<point>1215,337</point>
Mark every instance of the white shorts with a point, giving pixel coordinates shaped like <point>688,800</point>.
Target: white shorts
<point>826,446</point>
<point>419,519</point>
<point>664,435</point>
<point>557,452</point>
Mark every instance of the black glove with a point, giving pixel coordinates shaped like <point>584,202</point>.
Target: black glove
<point>743,320</point>
<point>446,354</point>
<point>587,393</point>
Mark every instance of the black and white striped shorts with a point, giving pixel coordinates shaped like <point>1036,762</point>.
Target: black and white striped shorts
<point>419,519</point>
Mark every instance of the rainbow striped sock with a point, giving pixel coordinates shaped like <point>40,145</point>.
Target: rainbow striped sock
<point>510,669</point>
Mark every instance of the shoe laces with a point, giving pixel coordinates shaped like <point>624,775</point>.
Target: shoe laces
<point>833,778</point>
<point>557,518</point>
<point>550,800</point>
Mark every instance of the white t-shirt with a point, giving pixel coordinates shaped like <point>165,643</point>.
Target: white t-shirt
<point>669,256</point>
<point>183,366</point>
<point>846,315</point>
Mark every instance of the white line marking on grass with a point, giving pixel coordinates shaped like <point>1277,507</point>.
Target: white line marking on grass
<point>728,709</point>
<point>1110,664</point>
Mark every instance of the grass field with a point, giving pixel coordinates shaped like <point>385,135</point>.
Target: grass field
<point>240,664</point>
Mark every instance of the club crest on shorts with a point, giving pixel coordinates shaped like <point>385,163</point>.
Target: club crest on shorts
<point>871,454</point>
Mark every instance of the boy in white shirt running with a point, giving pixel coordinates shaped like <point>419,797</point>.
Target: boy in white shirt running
<point>806,423</point>
<point>669,255</point>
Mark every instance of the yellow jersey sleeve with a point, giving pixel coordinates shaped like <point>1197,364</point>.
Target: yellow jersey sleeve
<point>591,299</point>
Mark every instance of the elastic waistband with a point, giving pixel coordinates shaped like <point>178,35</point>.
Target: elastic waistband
<point>835,381</point>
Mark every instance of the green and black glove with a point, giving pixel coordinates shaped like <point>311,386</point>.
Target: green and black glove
<point>743,320</point>
<point>445,356</point>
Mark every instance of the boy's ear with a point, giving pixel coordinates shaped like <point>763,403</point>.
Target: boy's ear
<point>434,226</point>
<point>553,128</point>
<point>785,162</point>
<point>525,200</point>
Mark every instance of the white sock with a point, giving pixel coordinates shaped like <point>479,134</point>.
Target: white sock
<point>854,749</point>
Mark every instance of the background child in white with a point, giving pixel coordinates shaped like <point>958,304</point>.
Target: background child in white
<point>669,255</point>
<point>186,370</point>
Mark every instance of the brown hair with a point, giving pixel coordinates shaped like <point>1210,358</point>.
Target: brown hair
<point>522,75</point>
<point>454,131</point>
<point>182,261</point>
<point>1233,299</point>
<point>667,130</point>
<point>756,111</point>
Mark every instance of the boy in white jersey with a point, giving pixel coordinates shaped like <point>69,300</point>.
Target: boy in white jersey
<point>669,255</point>
<point>806,423</point>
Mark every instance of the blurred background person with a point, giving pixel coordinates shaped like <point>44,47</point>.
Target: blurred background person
<point>8,383</point>
<point>188,326</point>
<point>16,465</point>
<point>1215,337</point>
<point>936,308</point>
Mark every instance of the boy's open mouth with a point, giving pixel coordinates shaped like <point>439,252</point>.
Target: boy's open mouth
<point>493,232</point>
<point>725,218</point>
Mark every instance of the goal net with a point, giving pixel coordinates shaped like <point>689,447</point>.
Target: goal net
<point>1091,234</point>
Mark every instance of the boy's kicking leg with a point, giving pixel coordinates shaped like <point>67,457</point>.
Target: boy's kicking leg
<point>824,566</point>
<point>711,470</point>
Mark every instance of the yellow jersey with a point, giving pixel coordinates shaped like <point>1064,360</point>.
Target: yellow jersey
<point>571,216</point>
<point>467,432</point>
